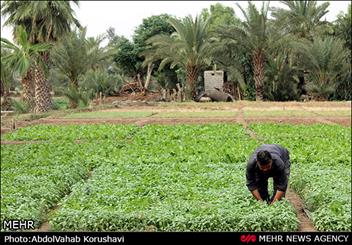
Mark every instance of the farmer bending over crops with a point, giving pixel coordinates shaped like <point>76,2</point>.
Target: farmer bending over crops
<point>268,161</point>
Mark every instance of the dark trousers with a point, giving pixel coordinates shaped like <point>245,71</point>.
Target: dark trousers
<point>263,186</point>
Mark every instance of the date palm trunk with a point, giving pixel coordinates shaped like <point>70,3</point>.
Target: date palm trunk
<point>149,75</point>
<point>6,100</point>
<point>43,101</point>
<point>28,88</point>
<point>258,69</point>
<point>191,80</point>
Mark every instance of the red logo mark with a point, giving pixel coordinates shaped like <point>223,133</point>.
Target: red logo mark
<point>248,238</point>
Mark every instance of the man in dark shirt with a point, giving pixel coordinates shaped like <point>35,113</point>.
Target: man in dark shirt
<point>268,161</point>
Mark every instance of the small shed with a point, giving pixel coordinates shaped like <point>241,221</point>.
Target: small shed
<point>213,80</point>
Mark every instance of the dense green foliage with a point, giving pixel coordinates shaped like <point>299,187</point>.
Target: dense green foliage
<point>169,178</point>
<point>44,22</point>
<point>320,169</point>
<point>220,16</point>
<point>257,52</point>
<point>165,178</point>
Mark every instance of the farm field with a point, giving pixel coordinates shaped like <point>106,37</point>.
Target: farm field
<point>142,113</point>
<point>113,177</point>
<point>144,120</point>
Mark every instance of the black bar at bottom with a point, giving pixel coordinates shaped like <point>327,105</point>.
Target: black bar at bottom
<point>176,237</point>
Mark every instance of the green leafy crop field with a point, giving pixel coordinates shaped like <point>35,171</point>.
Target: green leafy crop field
<point>320,170</point>
<point>169,178</point>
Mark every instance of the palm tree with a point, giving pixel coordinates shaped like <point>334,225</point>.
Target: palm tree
<point>44,21</point>
<point>25,56</point>
<point>229,56</point>
<point>75,55</point>
<point>302,18</point>
<point>253,36</point>
<point>327,62</point>
<point>99,56</point>
<point>188,48</point>
<point>6,79</point>
<point>281,76</point>
<point>343,28</point>
<point>70,56</point>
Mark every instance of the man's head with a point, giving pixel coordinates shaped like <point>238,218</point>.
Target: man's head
<point>264,161</point>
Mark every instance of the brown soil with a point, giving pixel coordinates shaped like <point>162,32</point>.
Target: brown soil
<point>341,121</point>
<point>45,227</point>
<point>305,224</point>
<point>148,104</point>
<point>293,120</point>
<point>5,130</point>
<point>242,120</point>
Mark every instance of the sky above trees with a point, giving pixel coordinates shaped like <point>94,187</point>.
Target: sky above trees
<point>125,16</point>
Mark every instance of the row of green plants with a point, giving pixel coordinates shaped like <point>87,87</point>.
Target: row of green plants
<point>34,178</point>
<point>169,178</point>
<point>320,169</point>
<point>70,133</point>
<point>161,178</point>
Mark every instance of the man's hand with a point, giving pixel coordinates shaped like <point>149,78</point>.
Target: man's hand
<point>277,196</point>
<point>256,194</point>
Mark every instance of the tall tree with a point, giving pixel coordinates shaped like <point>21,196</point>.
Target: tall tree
<point>253,36</point>
<point>188,47</point>
<point>302,18</point>
<point>24,56</point>
<point>327,63</point>
<point>126,57</point>
<point>343,30</point>
<point>220,15</point>
<point>343,27</point>
<point>151,26</point>
<point>75,54</point>
<point>7,78</point>
<point>44,21</point>
<point>281,76</point>
<point>71,57</point>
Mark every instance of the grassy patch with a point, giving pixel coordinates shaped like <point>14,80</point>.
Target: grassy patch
<point>195,114</point>
<point>284,113</point>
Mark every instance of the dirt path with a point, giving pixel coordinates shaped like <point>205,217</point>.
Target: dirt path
<point>313,108</point>
<point>320,118</point>
<point>199,120</point>
<point>241,120</point>
<point>305,224</point>
<point>45,226</point>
